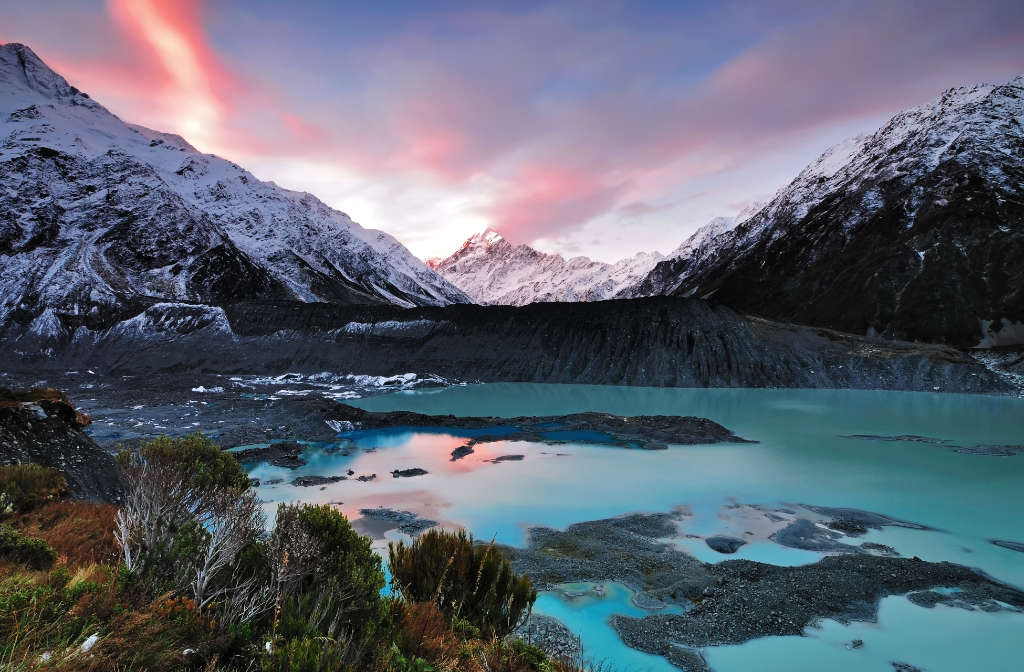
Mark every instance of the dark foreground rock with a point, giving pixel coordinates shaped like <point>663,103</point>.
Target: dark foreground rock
<point>989,450</point>
<point>650,432</point>
<point>1012,545</point>
<point>551,636</point>
<point>661,341</point>
<point>42,427</point>
<point>409,473</point>
<point>724,544</point>
<point>626,549</point>
<point>406,521</point>
<point>749,599</point>
<point>287,454</point>
<point>838,523</point>
<point>309,481</point>
<point>736,600</point>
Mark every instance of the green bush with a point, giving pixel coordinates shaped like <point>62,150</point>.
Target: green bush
<point>15,547</point>
<point>329,582</point>
<point>466,580</point>
<point>306,654</point>
<point>210,467</point>
<point>24,487</point>
<point>180,492</point>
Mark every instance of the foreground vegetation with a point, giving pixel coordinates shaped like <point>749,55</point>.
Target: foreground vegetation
<point>183,575</point>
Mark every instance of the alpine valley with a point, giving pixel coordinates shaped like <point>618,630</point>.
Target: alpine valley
<point>792,443</point>
<point>126,248</point>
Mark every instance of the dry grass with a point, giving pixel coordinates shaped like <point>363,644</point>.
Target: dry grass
<point>82,533</point>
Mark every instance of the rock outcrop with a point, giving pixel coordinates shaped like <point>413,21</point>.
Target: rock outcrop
<point>42,427</point>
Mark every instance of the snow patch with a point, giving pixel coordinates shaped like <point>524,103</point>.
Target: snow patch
<point>47,325</point>
<point>394,328</point>
<point>208,390</point>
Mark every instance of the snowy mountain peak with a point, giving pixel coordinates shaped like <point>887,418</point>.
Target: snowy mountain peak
<point>493,271</point>
<point>485,239</point>
<point>22,71</point>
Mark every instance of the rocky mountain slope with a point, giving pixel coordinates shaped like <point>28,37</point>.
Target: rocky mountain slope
<point>660,341</point>
<point>915,231</point>
<point>492,270</point>
<point>96,213</point>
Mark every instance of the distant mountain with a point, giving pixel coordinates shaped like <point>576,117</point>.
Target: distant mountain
<point>96,213</point>
<point>492,270</point>
<point>915,231</point>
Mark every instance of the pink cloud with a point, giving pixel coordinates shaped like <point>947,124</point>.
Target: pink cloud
<point>547,198</point>
<point>569,114</point>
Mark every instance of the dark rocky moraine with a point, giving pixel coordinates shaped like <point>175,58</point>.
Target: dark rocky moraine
<point>662,341</point>
<point>991,450</point>
<point>737,600</point>
<point>648,432</point>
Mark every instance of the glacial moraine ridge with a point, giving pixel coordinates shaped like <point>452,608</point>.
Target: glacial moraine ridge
<point>660,341</point>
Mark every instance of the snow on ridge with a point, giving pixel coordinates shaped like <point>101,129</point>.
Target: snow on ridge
<point>47,325</point>
<point>174,318</point>
<point>393,328</point>
<point>340,382</point>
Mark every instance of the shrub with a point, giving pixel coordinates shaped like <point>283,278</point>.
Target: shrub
<point>424,633</point>
<point>16,547</point>
<point>306,654</point>
<point>187,516</point>
<point>24,487</point>
<point>328,581</point>
<point>466,580</point>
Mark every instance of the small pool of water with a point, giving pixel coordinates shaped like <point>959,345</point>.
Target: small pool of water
<point>588,615</point>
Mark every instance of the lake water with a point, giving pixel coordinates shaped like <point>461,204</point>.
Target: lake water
<point>802,457</point>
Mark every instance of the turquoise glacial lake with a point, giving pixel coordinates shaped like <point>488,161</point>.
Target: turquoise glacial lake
<point>803,456</point>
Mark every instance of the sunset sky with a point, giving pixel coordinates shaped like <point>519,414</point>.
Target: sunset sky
<point>598,128</point>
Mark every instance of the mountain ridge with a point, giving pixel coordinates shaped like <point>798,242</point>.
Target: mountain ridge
<point>97,212</point>
<point>914,232</point>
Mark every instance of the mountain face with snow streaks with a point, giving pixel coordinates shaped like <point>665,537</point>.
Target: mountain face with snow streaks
<point>492,270</point>
<point>96,214</point>
<point>914,232</point>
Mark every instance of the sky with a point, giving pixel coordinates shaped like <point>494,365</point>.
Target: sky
<point>602,128</point>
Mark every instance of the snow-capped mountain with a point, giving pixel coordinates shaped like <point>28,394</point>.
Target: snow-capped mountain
<point>915,231</point>
<point>492,270</point>
<point>95,212</point>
